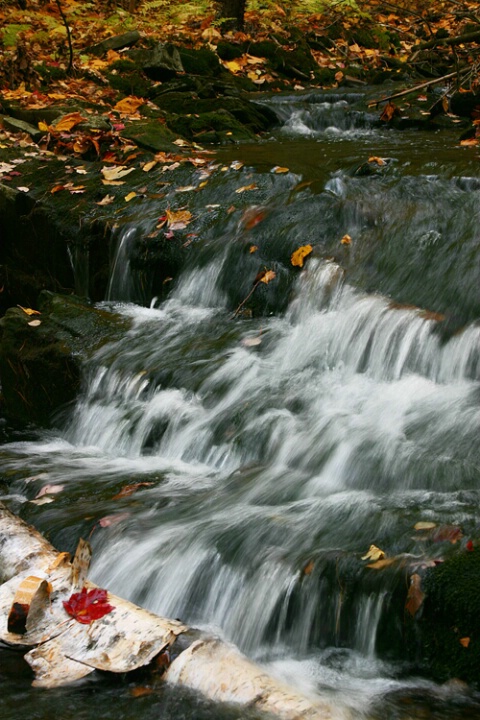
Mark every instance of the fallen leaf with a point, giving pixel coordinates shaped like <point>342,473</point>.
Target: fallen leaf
<point>34,323</point>
<point>109,520</point>
<point>116,173</point>
<point>469,141</point>
<point>140,691</point>
<point>236,165</point>
<point>307,570</point>
<point>178,220</point>
<point>23,188</point>
<point>245,188</point>
<point>389,111</point>
<point>185,188</point>
<point>67,122</point>
<point>180,142</point>
<point>57,188</point>
<point>377,160</point>
<point>29,311</point>
<point>299,255</point>
<point>130,489</point>
<point>424,525</point>
<point>469,546</point>
<point>129,105</point>
<point>253,248</point>
<point>149,165</point>
<point>268,276</point>
<point>49,490</point>
<point>465,641</point>
<point>374,553</point>
<point>278,169</point>
<point>88,605</point>
<point>450,533</point>
<point>107,200</point>
<point>346,240</point>
<point>415,595</point>
<point>251,342</point>
<point>130,196</point>
<point>382,563</point>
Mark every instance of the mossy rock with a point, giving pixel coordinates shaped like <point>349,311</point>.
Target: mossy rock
<point>152,135</point>
<point>41,354</point>
<point>374,38</point>
<point>450,623</point>
<point>200,62</point>
<point>297,63</point>
<point>218,127</point>
<point>130,83</point>
<point>229,51</point>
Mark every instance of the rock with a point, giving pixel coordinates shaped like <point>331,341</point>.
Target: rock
<point>20,126</point>
<point>152,135</point>
<point>161,63</point>
<point>211,127</point>
<point>41,354</point>
<point>114,43</point>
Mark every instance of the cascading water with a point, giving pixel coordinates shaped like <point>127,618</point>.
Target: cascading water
<point>271,452</point>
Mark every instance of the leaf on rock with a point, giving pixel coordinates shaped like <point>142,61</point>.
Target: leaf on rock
<point>130,196</point>
<point>382,563</point>
<point>129,105</point>
<point>308,569</point>
<point>450,533</point>
<point>67,122</point>
<point>377,160</point>
<point>179,219</point>
<point>116,173</point>
<point>424,525</point>
<point>88,605</point>
<point>465,641</point>
<point>300,254</point>
<point>415,595</point>
<point>374,553</point>
<point>130,489</point>
<point>346,240</point>
<point>29,311</point>
<point>267,276</point>
<point>278,170</point>
<point>246,188</point>
<point>149,166</point>
<point>34,323</point>
<point>107,200</point>
<point>389,111</point>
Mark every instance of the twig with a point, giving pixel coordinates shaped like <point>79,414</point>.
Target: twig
<point>457,40</point>
<point>247,298</point>
<point>374,103</point>
<point>69,38</point>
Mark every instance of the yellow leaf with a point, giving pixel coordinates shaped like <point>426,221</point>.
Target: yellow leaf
<point>29,311</point>
<point>253,248</point>
<point>129,105</point>
<point>116,173</point>
<point>268,276</point>
<point>346,240</point>
<point>245,188</point>
<point>382,563</point>
<point>67,122</point>
<point>300,254</point>
<point>233,65</point>
<point>149,165</point>
<point>374,553</point>
<point>130,196</point>
<point>377,160</point>
<point>43,126</point>
<point>179,219</point>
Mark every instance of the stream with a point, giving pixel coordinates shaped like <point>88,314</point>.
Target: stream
<point>271,451</point>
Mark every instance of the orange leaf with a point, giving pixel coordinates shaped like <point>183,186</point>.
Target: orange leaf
<point>415,595</point>
<point>29,311</point>
<point>67,122</point>
<point>307,570</point>
<point>346,240</point>
<point>245,188</point>
<point>300,254</point>
<point>129,105</point>
<point>465,641</point>
<point>377,160</point>
<point>268,276</point>
<point>389,111</point>
<point>253,248</point>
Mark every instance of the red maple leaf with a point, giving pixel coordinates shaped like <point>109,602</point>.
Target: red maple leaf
<point>88,605</point>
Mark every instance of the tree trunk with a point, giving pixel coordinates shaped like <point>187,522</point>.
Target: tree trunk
<point>231,13</point>
<point>35,580</point>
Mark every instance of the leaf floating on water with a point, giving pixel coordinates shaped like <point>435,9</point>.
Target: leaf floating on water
<point>140,691</point>
<point>300,254</point>
<point>308,569</point>
<point>278,170</point>
<point>424,525</point>
<point>179,219</point>
<point>450,533</point>
<point>346,240</point>
<point>374,553</point>
<point>246,188</point>
<point>88,605</point>
<point>377,160</point>
<point>149,166</point>
<point>415,595</point>
<point>267,277</point>
<point>107,200</point>
<point>23,189</point>
<point>236,165</point>
<point>251,342</point>
<point>252,249</point>
<point>49,490</point>
<point>130,196</point>
<point>130,489</point>
<point>109,520</point>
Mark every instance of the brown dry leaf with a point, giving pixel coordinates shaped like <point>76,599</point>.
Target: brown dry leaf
<point>469,141</point>
<point>346,240</point>
<point>67,122</point>
<point>130,489</point>
<point>307,570</point>
<point>374,553</point>
<point>389,111</point>
<point>377,160</point>
<point>29,311</point>
<point>140,691</point>
<point>113,182</point>
<point>415,595</point>
<point>179,219</point>
<point>300,254</point>
<point>465,641</point>
<point>129,105</point>
<point>268,276</point>
<point>245,188</point>
<point>253,248</point>
<point>116,173</point>
<point>130,196</point>
<point>450,533</point>
<point>278,169</point>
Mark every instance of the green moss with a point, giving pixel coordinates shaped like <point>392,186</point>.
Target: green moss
<point>212,127</point>
<point>134,83</point>
<point>199,62</point>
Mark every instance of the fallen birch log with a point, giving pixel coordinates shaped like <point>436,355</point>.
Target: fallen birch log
<point>41,588</point>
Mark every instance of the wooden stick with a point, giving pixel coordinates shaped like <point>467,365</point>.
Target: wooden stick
<point>375,103</point>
